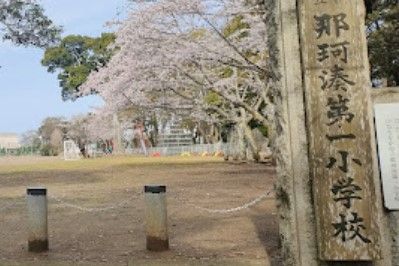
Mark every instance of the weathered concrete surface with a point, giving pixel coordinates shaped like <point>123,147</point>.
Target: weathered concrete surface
<point>37,221</point>
<point>336,77</point>
<point>156,224</point>
<point>385,95</point>
<point>297,226</point>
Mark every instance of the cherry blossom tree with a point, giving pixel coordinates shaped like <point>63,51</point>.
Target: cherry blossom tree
<point>203,58</point>
<point>99,125</point>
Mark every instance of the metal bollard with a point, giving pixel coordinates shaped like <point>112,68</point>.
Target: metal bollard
<point>37,219</point>
<point>156,218</point>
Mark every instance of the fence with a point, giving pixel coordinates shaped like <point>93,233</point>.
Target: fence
<point>226,148</point>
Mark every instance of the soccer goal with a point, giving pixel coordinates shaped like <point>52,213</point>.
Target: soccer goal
<point>71,151</point>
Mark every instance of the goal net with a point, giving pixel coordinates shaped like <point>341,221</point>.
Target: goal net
<point>71,151</point>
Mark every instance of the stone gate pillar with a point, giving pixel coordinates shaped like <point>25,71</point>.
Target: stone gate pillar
<point>328,188</point>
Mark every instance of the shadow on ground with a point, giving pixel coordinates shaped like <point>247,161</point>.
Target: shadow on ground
<point>266,225</point>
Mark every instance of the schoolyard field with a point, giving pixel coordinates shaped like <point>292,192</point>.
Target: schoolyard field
<point>219,213</point>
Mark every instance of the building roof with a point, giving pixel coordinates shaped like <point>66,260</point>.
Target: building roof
<point>6,134</point>
<point>9,141</point>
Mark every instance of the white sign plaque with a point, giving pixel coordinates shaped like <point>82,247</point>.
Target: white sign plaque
<point>387,126</point>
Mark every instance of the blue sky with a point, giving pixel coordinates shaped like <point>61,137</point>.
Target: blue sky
<point>28,94</point>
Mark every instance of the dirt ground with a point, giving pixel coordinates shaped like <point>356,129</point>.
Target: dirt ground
<point>96,211</point>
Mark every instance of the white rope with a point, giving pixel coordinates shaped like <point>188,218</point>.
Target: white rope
<point>123,203</point>
<point>7,207</point>
<point>10,206</point>
<point>236,209</point>
<point>94,209</point>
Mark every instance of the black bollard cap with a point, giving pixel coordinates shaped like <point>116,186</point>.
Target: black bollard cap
<point>154,189</point>
<point>39,191</point>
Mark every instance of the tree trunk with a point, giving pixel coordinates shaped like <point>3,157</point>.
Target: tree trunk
<point>251,141</point>
<point>241,154</point>
<point>248,135</point>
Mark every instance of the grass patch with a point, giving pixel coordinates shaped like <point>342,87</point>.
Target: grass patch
<point>104,162</point>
